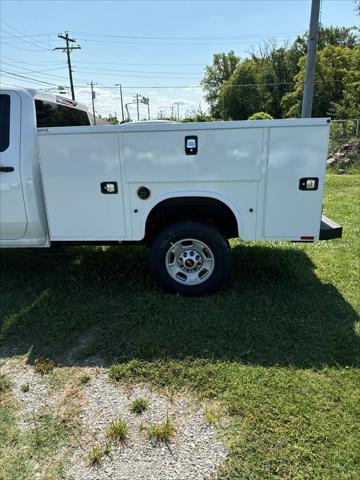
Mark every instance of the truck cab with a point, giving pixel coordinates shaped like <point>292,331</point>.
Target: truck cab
<point>22,112</point>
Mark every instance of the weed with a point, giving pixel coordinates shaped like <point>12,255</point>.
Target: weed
<point>25,387</point>
<point>96,454</point>
<point>234,409</point>
<point>5,384</point>
<point>118,431</point>
<point>44,365</point>
<point>212,414</point>
<point>84,379</point>
<point>162,432</point>
<point>139,406</point>
<point>69,407</point>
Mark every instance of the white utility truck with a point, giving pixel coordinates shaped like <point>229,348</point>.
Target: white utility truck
<point>182,189</point>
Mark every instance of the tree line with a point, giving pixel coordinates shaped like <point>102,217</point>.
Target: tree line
<point>271,80</point>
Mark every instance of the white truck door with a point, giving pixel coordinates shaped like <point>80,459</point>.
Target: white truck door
<point>13,220</point>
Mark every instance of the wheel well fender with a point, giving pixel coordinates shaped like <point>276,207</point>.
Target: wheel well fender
<point>210,207</point>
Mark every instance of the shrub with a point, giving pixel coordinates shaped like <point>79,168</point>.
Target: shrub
<point>260,116</point>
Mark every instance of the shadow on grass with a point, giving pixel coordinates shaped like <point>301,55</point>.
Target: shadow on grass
<point>94,306</point>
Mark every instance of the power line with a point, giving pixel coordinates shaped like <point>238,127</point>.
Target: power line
<point>201,37</point>
<point>234,85</point>
<point>46,75</point>
<point>172,86</point>
<point>94,62</point>
<point>113,70</point>
<point>27,78</point>
<point>172,43</point>
<point>31,42</point>
<point>30,35</point>
<point>34,71</point>
<point>42,62</point>
<point>107,74</point>
<point>20,48</point>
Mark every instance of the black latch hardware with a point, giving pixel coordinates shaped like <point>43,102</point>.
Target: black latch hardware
<point>191,145</point>
<point>309,183</point>
<point>109,187</point>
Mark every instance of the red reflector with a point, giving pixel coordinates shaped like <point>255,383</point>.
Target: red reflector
<point>304,237</point>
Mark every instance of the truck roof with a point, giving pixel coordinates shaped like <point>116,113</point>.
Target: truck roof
<point>49,97</point>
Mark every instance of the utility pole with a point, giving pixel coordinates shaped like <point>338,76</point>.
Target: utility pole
<point>178,110</point>
<point>172,112</point>
<point>137,106</point>
<point>68,49</point>
<point>308,95</point>
<point>93,95</point>
<point>121,99</point>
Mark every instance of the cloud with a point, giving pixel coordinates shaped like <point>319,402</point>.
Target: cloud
<point>162,101</point>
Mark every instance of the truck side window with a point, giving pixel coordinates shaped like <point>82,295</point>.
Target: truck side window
<point>4,122</point>
<point>53,115</point>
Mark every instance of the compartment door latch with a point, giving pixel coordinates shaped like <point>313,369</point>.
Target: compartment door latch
<point>109,187</point>
<point>309,183</point>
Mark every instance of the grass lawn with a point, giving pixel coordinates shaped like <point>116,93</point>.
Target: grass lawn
<point>279,349</point>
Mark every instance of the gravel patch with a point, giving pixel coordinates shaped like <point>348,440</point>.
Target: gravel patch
<point>31,399</point>
<point>194,453</point>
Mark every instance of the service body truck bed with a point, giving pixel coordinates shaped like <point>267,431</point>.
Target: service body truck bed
<point>182,188</point>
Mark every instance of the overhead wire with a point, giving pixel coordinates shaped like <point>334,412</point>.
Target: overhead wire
<point>31,41</point>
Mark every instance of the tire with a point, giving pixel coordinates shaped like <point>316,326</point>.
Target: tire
<point>190,258</point>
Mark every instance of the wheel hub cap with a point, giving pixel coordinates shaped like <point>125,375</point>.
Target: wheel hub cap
<point>190,262</point>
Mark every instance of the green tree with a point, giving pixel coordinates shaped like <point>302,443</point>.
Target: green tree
<point>334,66</point>
<point>112,119</point>
<point>275,71</point>
<point>198,117</point>
<point>223,66</point>
<point>357,7</point>
<point>272,75</point>
<point>347,37</point>
<point>349,104</point>
<point>239,96</point>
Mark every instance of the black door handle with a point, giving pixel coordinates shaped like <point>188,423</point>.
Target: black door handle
<point>6,169</point>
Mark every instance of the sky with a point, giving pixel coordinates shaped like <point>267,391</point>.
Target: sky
<point>154,48</point>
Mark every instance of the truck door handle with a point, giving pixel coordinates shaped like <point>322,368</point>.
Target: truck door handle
<point>6,169</point>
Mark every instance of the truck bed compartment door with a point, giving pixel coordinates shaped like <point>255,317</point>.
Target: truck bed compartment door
<point>294,182</point>
<point>82,185</point>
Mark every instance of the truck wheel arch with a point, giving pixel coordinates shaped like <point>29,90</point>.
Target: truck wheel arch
<point>203,206</point>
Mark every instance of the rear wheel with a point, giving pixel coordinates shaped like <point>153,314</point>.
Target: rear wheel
<point>190,258</point>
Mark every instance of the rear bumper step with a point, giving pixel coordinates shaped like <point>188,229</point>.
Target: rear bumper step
<point>329,229</point>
